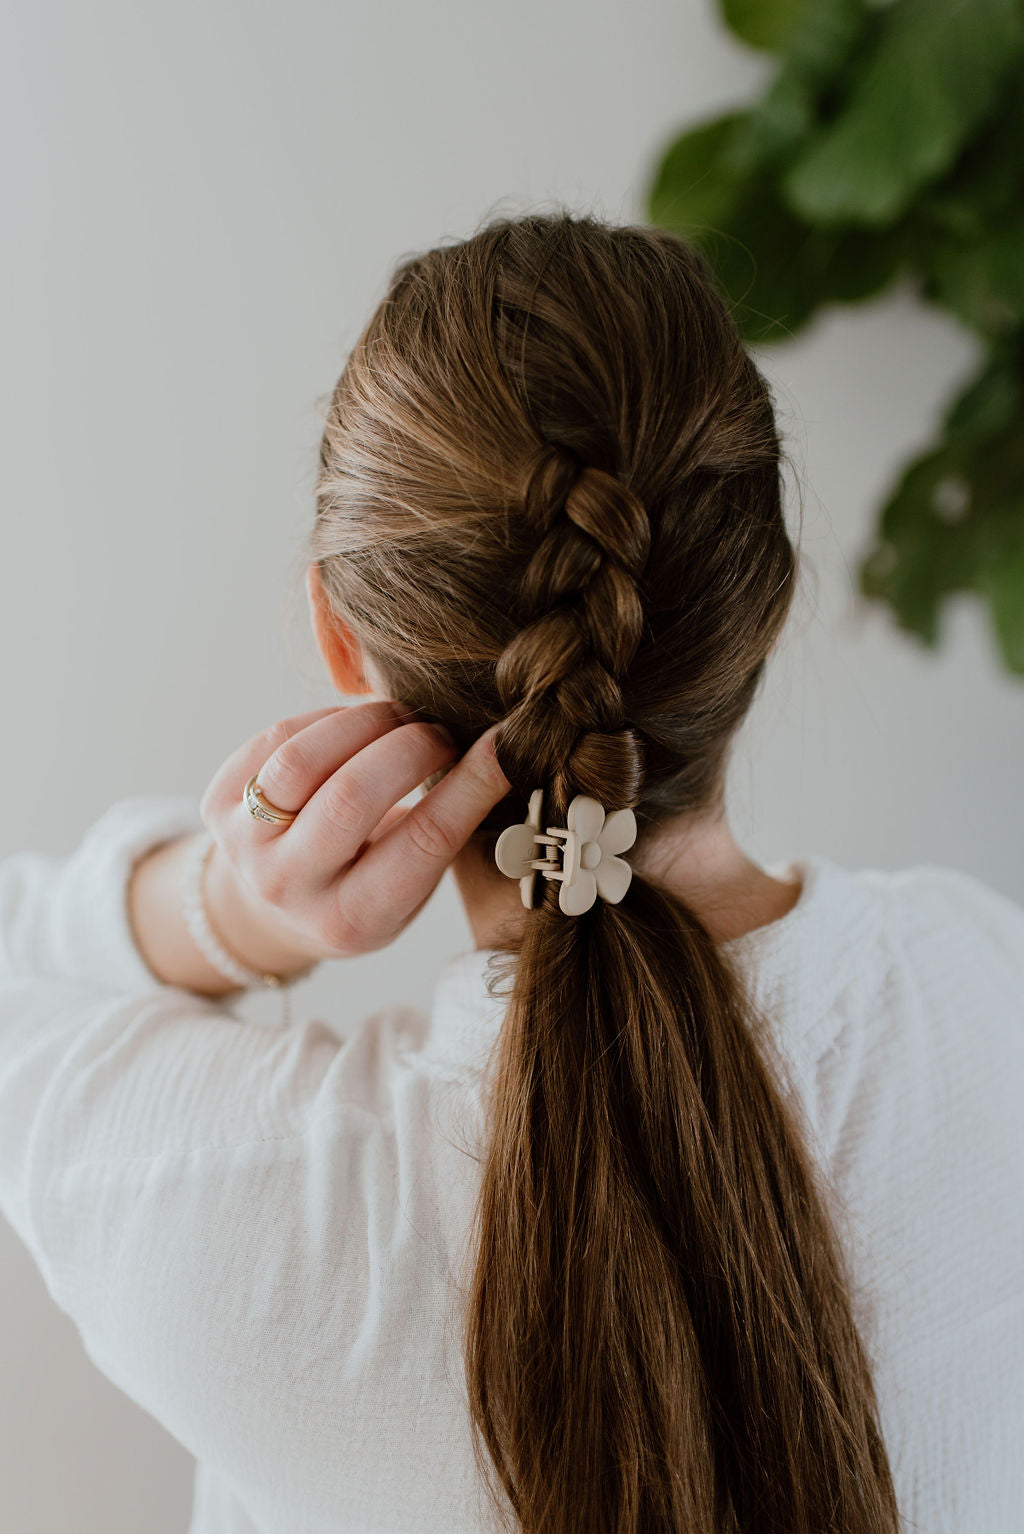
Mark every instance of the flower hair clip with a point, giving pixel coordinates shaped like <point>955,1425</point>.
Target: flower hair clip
<point>582,855</point>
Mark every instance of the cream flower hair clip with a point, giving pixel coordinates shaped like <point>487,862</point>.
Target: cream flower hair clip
<point>582,855</point>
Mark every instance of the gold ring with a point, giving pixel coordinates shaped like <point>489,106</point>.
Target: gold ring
<point>261,808</point>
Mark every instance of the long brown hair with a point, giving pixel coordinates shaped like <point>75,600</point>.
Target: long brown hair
<point>549,495</point>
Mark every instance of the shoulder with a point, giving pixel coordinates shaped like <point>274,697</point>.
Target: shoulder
<point>946,924</point>
<point>903,987</point>
<point>943,890</point>
<point>926,1034</point>
<point>915,1109</point>
<point>942,961</point>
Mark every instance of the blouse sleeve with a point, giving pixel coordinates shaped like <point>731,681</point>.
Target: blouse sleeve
<point>135,1115</point>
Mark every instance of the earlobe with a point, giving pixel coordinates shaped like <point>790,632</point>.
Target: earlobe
<point>335,640</point>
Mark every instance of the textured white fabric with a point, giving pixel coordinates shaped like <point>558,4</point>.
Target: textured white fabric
<point>258,1230</point>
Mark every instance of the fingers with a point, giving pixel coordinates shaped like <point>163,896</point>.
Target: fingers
<point>400,869</point>
<point>303,763</point>
<point>355,863</point>
<point>342,814</point>
<point>290,756</point>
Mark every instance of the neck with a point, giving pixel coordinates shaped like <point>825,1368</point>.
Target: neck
<point>696,858</point>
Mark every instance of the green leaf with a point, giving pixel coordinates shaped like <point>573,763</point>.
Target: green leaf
<point>991,401</point>
<point>999,478</point>
<point>982,282</point>
<point>788,110</point>
<point>986,181</point>
<point>695,186</point>
<point>956,519</point>
<point>762,281</point>
<point>918,558</point>
<point>777,272</point>
<point>1001,580</point>
<point>935,73</point>
<point>764,23</point>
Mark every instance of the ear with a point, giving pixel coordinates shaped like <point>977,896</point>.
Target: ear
<point>336,642</point>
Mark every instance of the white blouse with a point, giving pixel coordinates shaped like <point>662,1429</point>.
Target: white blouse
<point>259,1230</point>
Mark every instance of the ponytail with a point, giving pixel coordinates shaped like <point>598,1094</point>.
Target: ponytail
<point>658,1333</point>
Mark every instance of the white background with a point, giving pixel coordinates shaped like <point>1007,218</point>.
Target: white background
<point>203,201</point>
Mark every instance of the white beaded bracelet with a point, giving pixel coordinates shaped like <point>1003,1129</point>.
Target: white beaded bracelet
<point>198,923</point>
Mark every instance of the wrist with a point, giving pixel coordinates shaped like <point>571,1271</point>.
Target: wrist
<point>252,931</point>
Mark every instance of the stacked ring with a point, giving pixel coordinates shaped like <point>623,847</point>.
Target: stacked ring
<point>261,808</point>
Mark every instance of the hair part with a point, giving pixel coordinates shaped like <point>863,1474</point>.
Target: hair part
<point>549,495</point>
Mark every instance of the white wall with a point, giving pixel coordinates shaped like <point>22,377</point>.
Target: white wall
<point>202,202</point>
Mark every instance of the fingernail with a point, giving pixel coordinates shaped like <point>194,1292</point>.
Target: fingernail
<point>489,736</point>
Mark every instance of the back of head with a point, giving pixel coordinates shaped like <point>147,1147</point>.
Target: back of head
<point>549,495</point>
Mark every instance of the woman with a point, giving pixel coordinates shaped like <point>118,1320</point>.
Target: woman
<point>693,1203</point>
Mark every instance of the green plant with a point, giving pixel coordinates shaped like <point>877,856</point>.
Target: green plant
<point>890,143</point>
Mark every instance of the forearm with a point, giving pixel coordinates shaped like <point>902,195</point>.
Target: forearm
<point>157,916</point>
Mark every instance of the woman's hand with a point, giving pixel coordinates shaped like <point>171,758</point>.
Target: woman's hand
<point>354,867</point>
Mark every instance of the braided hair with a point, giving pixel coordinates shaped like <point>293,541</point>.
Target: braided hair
<point>549,496</point>
<point>559,678</point>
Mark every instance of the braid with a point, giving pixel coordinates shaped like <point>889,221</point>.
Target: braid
<point>582,614</point>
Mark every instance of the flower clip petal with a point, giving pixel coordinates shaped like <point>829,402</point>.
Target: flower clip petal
<point>613,876</point>
<point>578,896</point>
<point>619,832</point>
<point>516,848</point>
